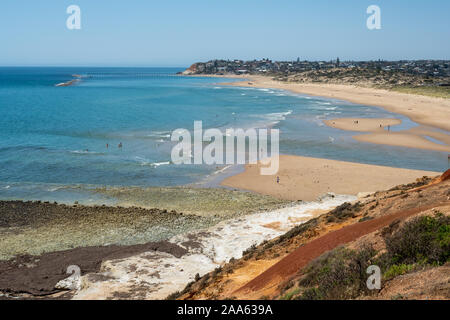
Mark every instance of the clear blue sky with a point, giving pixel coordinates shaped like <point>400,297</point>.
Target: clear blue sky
<point>180,32</point>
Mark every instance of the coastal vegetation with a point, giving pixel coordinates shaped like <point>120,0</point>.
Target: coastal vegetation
<point>422,242</point>
<point>432,91</point>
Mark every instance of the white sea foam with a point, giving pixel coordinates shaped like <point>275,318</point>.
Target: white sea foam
<point>146,162</point>
<point>164,163</point>
<point>222,169</point>
<point>243,88</point>
<point>86,152</point>
<point>162,273</point>
<point>270,119</point>
<point>277,116</point>
<point>159,134</point>
<point>56,188</point>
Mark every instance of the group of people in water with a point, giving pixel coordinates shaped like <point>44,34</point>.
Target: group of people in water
<point>120,145</point>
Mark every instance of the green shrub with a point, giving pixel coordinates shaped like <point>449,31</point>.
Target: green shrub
<point>298,230</point>
<point>344,211</point>
<point>341,273</point>
<point>337,274</point>
<point>286,286</point>
<point>173,296</point>
<point>290,294</point>
<point>397,270</point>
<point>311,294</point>
<point>366,218</point>
<point>423,239</point>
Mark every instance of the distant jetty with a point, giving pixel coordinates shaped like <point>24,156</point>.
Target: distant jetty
<point>68,83</point>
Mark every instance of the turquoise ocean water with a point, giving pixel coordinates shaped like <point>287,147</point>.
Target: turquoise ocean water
<point>55,137</point>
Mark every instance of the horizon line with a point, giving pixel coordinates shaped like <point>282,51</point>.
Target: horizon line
<point>186,66</point>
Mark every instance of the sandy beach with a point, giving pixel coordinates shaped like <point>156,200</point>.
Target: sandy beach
<point>303,178</point>
<point>432,113</point>
<point>361,124</point>
<point>412,138</point>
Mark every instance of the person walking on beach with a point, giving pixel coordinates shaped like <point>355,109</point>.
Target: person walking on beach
<point>389,128</point>
<point>278,180</point>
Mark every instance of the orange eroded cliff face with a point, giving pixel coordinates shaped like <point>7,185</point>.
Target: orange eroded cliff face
<point>265,271</point>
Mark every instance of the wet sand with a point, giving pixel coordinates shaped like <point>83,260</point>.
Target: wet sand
<point>304,178</point>
<point>402,139</point>
<point>380,133</point>
<point>361,124</point>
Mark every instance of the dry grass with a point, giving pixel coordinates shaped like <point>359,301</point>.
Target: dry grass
<point>431,91</point>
